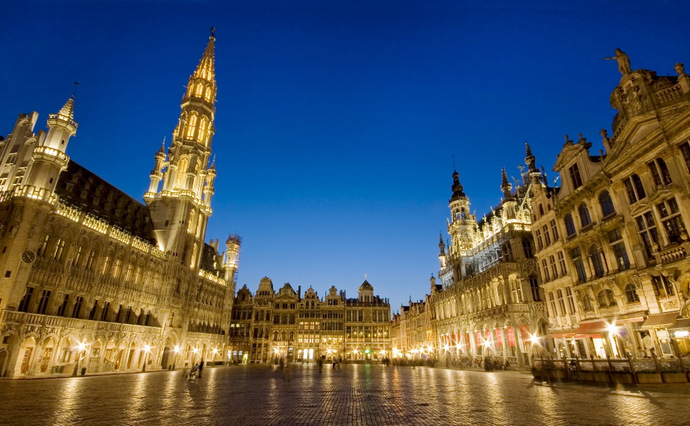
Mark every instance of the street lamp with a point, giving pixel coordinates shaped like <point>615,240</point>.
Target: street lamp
<point>80,347</point>
<point>147,349</point>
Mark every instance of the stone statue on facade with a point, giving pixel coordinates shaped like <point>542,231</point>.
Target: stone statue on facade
<point>623,62</point>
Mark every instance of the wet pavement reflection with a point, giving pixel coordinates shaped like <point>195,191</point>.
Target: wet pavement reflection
<point>351,394</point>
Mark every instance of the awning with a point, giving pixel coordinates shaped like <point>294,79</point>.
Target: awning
<point>595,327</point>
<point>630,317</point>
<point>563,334</point>
<point>660,320</point>
<point>681,323</point>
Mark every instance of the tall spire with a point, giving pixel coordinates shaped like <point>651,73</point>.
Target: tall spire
<point>206,68</point>
<point>67,111</point>
<point>505,184</point>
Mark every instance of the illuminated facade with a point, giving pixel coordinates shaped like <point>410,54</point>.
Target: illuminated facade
<point>94,279</point>
<point>612,240</point>
<point>488,302</point>
<point>271,326</point>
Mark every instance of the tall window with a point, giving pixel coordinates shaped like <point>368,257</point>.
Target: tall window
<point>659,172</point>
<point>685,150</point>
<point>89,260</point>
<point>77,256</point>
<point>199,90</point>
<point>575,177</point>
<point>534,286</point>
<point>587,303</point>
<point>76,310</point>
<point>569,224</point>
<point>554,230</point>
<point>191,127</point>
<point>561,263</point>
<point>605,298</point>
<point>527,247</point>
<point>43,302</point>
<point>552,304</point>
<point>202,131</point>
<point>597,261</point>
<point>540,244</point>
<point>571,300</point>
<point>26,300</point>
<point>576,257</point>
<point>671,220</point>
<point>554,268</point>
<point>648,233</point>
<point>634,188</point>
<point>618,248</point>
<point>44,245</point>
<point>585,218</point>
<point>662,286</point>
<point>105,311</point>
<point>606,204</point>
<point>547,237</point>
<point>63,306</point>
<point>631,294</point>
<point>545,270</point>
<point>561,301</point>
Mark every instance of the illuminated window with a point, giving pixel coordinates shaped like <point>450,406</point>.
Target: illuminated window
<point>182,173</point>
<point>207,95</point>
<point>191,127</point>
<point>199,90</point>
<point>202,131</point>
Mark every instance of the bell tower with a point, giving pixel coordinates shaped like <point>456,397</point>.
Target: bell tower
<point>179,195</point>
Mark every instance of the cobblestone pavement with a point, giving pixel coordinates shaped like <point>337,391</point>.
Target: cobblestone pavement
<point>353,394</point>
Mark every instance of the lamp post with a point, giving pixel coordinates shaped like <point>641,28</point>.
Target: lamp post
<point>177,352</point>
<point>80,347</point>
<point>147,349</point>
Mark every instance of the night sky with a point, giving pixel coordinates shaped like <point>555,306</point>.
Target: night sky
<point>337,121</point>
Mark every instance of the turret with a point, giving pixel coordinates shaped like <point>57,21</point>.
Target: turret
<point>505,184</point>
<point>49,159</point>
<point>232,256</point>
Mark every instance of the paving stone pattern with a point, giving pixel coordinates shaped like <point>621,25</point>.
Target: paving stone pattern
<point>353,394</point>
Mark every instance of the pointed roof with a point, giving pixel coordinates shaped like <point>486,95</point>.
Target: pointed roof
<point>206,68</point>
<point>457,187</point>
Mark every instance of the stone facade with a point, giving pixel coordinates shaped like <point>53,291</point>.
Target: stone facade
<point>286,325</point>
<point>92,278</point>
<point>614,247</point>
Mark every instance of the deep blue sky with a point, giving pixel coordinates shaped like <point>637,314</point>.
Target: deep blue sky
<point>336,120</point>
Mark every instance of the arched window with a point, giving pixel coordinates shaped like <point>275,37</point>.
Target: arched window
<point>541,210</point>
<point>587,303</point>
<point>182,173</point>
<point>191,127</point>
<point>631,294</point>
<point>606,204</point>
<point>597,261</point>
<point>202,131</point>
<point>585,218</point>
<point>605,298</point>
<point>569,224</point>
<point>199,90</point>
<point>207,95</point>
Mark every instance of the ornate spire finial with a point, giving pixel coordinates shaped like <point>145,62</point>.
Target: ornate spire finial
<point>213,32</point>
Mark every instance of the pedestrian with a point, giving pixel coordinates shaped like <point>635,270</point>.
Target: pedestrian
<point>201,368</point>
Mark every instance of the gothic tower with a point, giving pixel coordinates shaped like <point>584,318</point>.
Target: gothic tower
<point>462,226</point>
<point>49,158</point>
<point>179,195</point>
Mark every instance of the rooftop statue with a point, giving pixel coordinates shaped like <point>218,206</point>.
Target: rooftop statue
<point>623,61</point>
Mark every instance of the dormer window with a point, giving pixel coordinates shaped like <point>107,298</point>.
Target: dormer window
<point>575,177</point>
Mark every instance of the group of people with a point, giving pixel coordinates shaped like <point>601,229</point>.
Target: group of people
<point>195,372</point>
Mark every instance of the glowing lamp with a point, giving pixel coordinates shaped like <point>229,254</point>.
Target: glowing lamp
<point>147,348</point>
<point>612,328</point>
<point>367,351</point>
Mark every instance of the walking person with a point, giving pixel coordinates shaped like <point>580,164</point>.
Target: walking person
<point>201,368</point>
